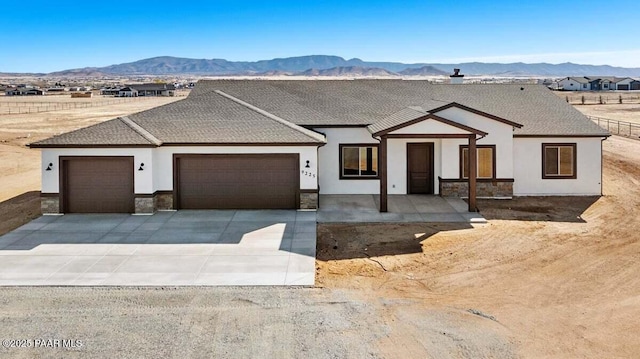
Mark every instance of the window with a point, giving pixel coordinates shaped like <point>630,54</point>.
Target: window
<point>584,86</point>
<point>358,161</point>
<point>559,160</point>
<point>486,159</point>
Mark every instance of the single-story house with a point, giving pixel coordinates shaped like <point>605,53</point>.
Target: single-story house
<point>240,144</point>
<point>575,84</point>
<point>596,83</point>
<point>23,91</point>
<point>154,89</point>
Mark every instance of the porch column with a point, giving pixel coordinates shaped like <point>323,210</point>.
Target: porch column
<point>383,173</point>
<point>473,172</point>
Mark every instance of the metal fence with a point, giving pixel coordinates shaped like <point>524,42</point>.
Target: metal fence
<point>621,128</point>
<point>19,107</point>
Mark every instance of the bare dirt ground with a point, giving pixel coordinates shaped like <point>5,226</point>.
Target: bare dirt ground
<point>624,112</point>
<point>559,276</point>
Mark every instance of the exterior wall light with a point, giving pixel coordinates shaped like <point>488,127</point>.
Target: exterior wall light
<point>307,166</point>
<point>141,167</point>
<point>49,167</point>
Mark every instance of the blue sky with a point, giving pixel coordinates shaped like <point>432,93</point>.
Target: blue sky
<point>55,35</point>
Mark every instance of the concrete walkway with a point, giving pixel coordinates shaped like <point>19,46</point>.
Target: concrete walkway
<point>401,208</point>
<point>167,248</point>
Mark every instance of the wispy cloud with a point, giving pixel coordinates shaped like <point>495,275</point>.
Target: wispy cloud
<point>624,58</point>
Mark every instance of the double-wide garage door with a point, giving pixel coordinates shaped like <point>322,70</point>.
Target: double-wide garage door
<point>230,181</point>
<point>97,185</point>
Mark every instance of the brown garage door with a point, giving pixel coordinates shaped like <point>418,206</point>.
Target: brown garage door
<point>268,181</point>
<point>623,87</point>
<point>97,185</point>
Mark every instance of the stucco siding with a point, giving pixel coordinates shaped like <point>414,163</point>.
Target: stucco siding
<point>528,168</point>
<point>499,134</point>
<point>143,179</point>
<point>329,165</point>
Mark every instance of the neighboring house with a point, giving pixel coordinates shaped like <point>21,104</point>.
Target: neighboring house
<point>575,84</point>
<point>148,90</point>
<point>127,92</point>
<point>623,84</point>
<point>23,91</point>
<point>279,144</point>
<point>595,83</point>
<point>110,91</point>
<point>635,85</point>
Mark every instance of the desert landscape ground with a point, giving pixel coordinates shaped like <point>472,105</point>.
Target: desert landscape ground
<point>545,278</point>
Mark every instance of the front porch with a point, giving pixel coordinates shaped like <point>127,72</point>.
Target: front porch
<point>400,208</point>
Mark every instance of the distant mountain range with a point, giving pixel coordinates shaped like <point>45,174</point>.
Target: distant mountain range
<point>324,65</point>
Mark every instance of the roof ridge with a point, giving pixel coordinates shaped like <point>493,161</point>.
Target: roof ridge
<point>141,131</point>
<point>314,135</point>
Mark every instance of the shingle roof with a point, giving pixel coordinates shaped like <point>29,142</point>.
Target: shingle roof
<point>405,115</point>
<point>365,102</point>
<point>263,112</point>
<point>115,132</point>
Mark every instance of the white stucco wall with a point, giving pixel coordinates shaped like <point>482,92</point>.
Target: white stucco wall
<point>572,85</point>
<point>499,134</point>
<point>158,163</point>
<point>329,166</point>
<point>528,168</point>
<point>163,161</point>
<point>143,179</point>
<point>397,168</point>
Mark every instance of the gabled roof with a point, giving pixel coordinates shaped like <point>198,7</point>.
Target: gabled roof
<point>113,133</point>
<point>329,103</point>
<point>209,120</point>
<point>412,115</point>
<point>229,112</point>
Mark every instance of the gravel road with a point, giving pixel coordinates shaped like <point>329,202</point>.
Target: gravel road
<point>237,323</point>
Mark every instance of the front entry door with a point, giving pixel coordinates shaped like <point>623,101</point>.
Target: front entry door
<point>420,168</point>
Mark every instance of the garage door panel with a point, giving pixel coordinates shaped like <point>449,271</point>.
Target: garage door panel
<point>237,181</point>
<point>98,185</point>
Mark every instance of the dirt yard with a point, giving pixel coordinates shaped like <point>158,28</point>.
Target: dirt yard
<point>20,166</point>
<point>558,275</point>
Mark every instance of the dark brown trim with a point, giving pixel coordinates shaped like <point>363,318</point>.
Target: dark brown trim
<point>431,117</point>
<point>431,160</point>
<point>342,145</point>
<point>235,144</point>
<point>333,126</point>
<point>49,195</point>
<point>178,156</point>
<point>382,170</point>
<point>162,192</point>
<point>483,180</point>
<point>63,176</point>
<point>477,112</point>
<point>309,190</point>
<point>90,146</point>
<point>575,160</point>
<point>444,135</point>
<point>563,136</point>
<point>493,147</point>
<point>472,169</point>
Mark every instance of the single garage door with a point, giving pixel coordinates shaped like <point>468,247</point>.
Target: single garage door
<point>261,181</point>
<point>623,87</point>
<point>97,185</point>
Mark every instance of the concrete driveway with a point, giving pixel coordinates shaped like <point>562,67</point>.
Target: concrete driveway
<point>210,247</point>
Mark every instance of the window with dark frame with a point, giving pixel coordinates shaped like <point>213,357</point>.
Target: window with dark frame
<point>486,161</point>
<point>559,160</point>
<point>359,161</point>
